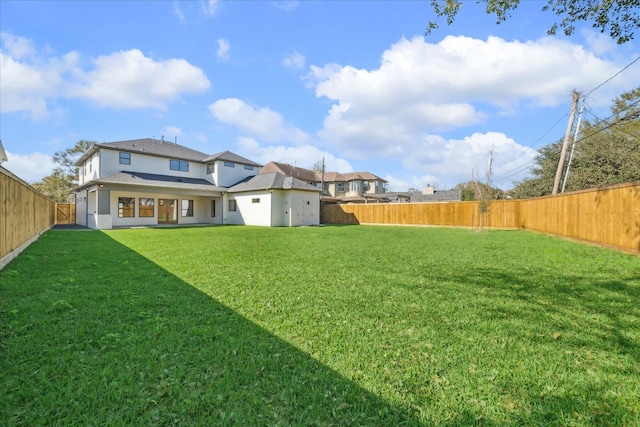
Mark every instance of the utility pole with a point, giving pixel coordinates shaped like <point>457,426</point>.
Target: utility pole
<point>565,144</point>
<point>489,168</point>
<point>573,147</point>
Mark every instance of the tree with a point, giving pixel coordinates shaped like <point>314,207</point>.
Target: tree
<point>607,152</point>
<point>620,18</point>
<point>64,178</point>
<point>475,190</point>
<point>318,167</point>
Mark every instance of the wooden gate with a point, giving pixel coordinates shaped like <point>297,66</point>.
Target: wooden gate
<point>65,213</point>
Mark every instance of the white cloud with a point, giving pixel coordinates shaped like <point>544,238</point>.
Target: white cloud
<point>178,12</point>
<point>459,159</point>
<point>304,156</point>
<point>396,110</point>
<point>128,79</point>
<point>224,47</point>
<point>286,4</point>
<point>295,61</point>
<point>261,123</point>
<point>30,167</point>
<point>31,81</point>
<point>209,7</point>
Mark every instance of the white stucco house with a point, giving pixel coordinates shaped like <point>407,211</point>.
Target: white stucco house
<point>146,182</point>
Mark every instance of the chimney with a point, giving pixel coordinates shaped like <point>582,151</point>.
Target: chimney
<point>429,189</point>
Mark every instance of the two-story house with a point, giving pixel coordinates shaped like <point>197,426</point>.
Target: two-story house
<point>347,187</point>
<point>145,182</point>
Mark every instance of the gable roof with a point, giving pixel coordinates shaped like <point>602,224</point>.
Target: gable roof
<point>149,146</point>
<point>271,181</point>
<point>230,157</point>
<point>351,176</point>
<point>290,170</point>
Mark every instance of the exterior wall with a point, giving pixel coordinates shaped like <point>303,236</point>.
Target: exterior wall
<point>90,169</point>
<point>304,208</point>
<point>110,163</point>
<point>225,176</point>
<point>279,211</point>
<point>81,208</point>
<point>248,212</point>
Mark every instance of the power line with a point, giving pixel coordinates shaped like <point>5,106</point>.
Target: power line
<point>612,77</point>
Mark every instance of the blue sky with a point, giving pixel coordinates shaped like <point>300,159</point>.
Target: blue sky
<point>355,82</point>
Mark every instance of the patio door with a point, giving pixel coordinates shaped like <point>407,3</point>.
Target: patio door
<point>167,211</point>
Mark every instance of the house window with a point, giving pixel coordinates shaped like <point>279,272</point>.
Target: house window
<point>365,187</point>
<point>255,200</point>
<point>187,208</point>
<point>211,168</point>
<point>248,167</point>
<point>179,165</point>
<point>213,208</point>
<point>146,207</point>
<point>230,164</point>
<point>233,206</point>
<point>125,158</point>
<point>126,207</point>
<point>340,187</point>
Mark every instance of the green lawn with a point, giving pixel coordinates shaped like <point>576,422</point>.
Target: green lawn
<point>335,325</point>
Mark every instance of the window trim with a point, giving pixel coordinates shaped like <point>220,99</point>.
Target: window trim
<point>124,158</point>
<point>179,165</point>
<point>188,211</point>
<point>143,211</point>
<point>122,209</point>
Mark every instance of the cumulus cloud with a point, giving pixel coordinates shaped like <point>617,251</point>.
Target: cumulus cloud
<point>30,167</point>
<point>224,49</point>
<point>304,156</point>
<point>295,61</point>
<point>262,123</point>
<point>129,79</point>
<point>31,81</point>
<point>420,89</point>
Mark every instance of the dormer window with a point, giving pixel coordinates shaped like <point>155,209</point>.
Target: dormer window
<point>125,158</point>
<point>179,165</point>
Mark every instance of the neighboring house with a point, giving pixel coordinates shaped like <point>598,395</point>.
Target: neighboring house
<point>354,187</point>
<point>147,182</point>
<point>430,194</point>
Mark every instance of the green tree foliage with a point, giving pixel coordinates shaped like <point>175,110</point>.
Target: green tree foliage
<point>607,152</point>
<point>474,190</point>
<point>64,178</point>
<point>620,18</point>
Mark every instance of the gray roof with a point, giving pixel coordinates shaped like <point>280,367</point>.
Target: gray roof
<point>148,146</point>
<point>271,181</point>
<point>231,157</point>
<point>437,196</point>
<point>153,180</point>
<point>155,147</point>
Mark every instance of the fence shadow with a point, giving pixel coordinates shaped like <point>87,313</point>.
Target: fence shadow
<point>112,338</point>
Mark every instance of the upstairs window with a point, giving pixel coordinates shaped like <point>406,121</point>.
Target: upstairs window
<point>248,167</point>
<point>256,200</point>
<point>211,168</point>
<point>230,164</point>
<point>125,158</point>
<point>179,165</point>
<point>340,186</point>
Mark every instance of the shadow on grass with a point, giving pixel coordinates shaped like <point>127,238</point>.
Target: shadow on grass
<point>92,333</point>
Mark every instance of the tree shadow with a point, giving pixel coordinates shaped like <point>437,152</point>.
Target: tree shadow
<point>113,339</point>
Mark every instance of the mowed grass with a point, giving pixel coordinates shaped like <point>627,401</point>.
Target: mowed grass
<point>335,325</point>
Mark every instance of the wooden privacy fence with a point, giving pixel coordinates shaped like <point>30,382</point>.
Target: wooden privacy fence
<point>608,215</point>
<point>65,213</point>
<point>24,215</point>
